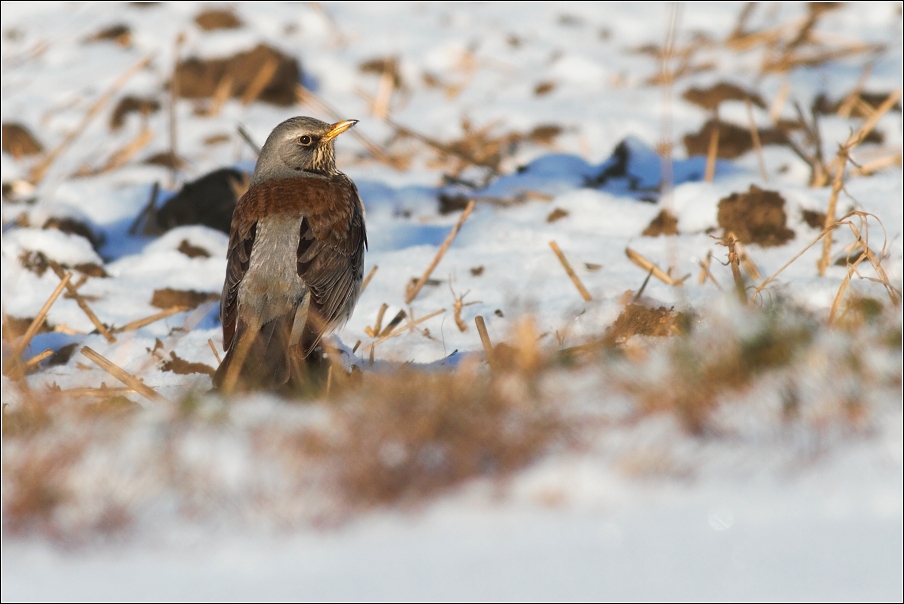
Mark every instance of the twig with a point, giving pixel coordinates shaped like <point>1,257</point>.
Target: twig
<point>837,183</point>
<point>260,81</point>
<point>775,110</point>
<point>413,292</point>
<point>844,109</point>
<point>398,318</point>
<point>380,107</point>
<point>220,96</point>
<point>213,348</point>
<point>122,156</point>
<point>37,173</point>
<point>148,320</point>
<point>443,148</point>
<point>367,279</point>
<point>747,262</point>
<point>705,272</point>
<point>82,304</point>
<point>406,327</point>
<point>148,210</point>
<point>374,331</point>
<point>36,359</point>
<point>826,230</point>
<point>712,152</point>
<point>247,138</point>
<point>729,241</point>
<point>877,164</point>
<point>36,323</point>
<point>570,271</point>
<point>123,376</point>
<point>647,265</point>
<point>755,135</point>
<point>643,286</point>
<point>485,340</point>
<point>173,117</point>
<point>102,391</point>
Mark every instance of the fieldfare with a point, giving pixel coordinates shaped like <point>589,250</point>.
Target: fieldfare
<point>295,259</point>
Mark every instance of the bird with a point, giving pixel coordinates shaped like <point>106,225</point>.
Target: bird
<point>295,259</point>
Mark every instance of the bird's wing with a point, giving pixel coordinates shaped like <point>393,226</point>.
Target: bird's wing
<point>331,258</point>
<point>238,257</point>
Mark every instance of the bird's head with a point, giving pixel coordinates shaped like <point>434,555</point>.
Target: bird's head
<point>299,146</point>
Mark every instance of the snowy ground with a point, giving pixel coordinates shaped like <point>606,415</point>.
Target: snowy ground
<point>753,508</point>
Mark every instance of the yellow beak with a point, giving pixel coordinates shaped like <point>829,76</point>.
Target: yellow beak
<point>338,128</point>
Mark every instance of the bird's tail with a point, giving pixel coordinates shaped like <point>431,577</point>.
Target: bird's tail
<point>258,359</point>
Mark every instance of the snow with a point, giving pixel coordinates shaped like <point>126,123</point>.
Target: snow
<point>643,509</point>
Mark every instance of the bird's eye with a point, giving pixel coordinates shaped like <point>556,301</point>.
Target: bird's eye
<point>304,140</point>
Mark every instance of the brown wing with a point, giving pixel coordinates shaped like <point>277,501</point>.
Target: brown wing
<point>238,257</point>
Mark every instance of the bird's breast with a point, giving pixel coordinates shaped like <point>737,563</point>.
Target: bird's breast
<point>271,286</point>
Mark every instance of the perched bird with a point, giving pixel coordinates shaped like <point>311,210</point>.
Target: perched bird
<point>295,260</point>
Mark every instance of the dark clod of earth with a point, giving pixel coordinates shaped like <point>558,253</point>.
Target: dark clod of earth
<point>18,141</point>
<point>663,224</point>
<point>712,97</point>
<point>176,298</point>
<point>734,141</point>
<point>199,78</point>
<point>757,216</point>
<point>209,200</point>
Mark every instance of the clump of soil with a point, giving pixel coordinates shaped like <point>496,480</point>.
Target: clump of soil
<point>18,140</point>
<point>182,367</point>
<point>62,355</point>
<point>757,216</point>
<point>166,159</point>
<point>214,19</point>
<point>119,33</point>
<point>74,226</point>
<point>192,251</point>
<point>663,224</point>
<point>734,141</point>
<point>381,65</point>
<point>814,219</point>
<point>710,98</point>
<point>824,105</point>
<point>177,298</point>
<point>198,78</point>
<point>544,87</point>
<point>132,104</point>
<point>556,214</point>
<point>451,202</point>
<point>15,327</point>
<point>38,263</point>
<point>639,320</point>
<point>210,201</point>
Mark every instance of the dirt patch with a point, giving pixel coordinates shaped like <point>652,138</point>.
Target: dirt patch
<point>814,219</point>
<point>639,320</point>
<point>74,226</point>
<point>556,214</point>
<point>166,159</point>
<point>734,141</point>
<point>178,298</point>
<point>544,134</point>
<point>119,33</point>
<point>198,78</point>
<point>476,271</point>
<point>38,263</point>
<point>757,216</point>
<point>15,327</point>
<point>62,356</point>
<point>544,88</point>
<point>449,203</point>
<point>214,19</point>
<point>381,65</point>
<point>710,98</point>
<point>663,224</point>
<point>822,104</point>
<point>210,201</point>
<point>132,104</point>
<point>192,251</point>
<point>18,141</point>
<point>183,367</point>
